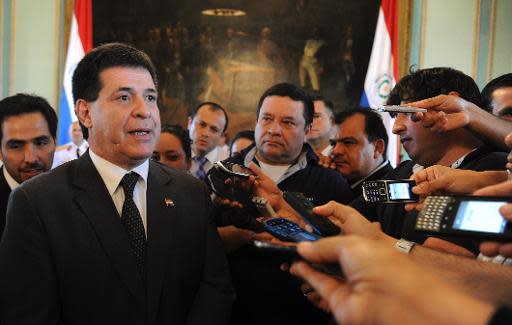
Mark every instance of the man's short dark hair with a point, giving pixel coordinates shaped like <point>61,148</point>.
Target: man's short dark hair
<point>86,78</point>
<point>179,132</point>
<point>373,126</point>
<point>213,106</point>
<point>503,81</point>
<point>23,104</point>
<point>426,83</point>
<point>328,104</point>
<point>295,93</point>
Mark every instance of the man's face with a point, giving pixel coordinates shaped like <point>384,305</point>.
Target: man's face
<point>124,122</point>
<point>322,122</point>
<point>502,103</point>
<point>355,157</point>
<point>76,133</point>
<point>423,146</point>
<point>27,146</point>
<point>206,129</point>
<point>169,151</point>
<point>280,130</point>
<point>239,145</point>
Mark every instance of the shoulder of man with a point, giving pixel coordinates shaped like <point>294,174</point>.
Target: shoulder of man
<point>485,158</point>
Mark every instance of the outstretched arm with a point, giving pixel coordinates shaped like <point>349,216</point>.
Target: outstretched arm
<point>450,112</point>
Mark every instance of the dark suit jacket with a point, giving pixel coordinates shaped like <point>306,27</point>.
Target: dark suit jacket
<point>5,190</point>
<point>65,256</point>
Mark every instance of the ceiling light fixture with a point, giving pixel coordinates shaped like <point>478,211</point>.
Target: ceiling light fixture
<point>223,12</point>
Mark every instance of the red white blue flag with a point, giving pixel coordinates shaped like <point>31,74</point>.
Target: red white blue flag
<point>80,42</point>
<point>382,70</point>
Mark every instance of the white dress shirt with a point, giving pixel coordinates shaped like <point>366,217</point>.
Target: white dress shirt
<point>213,156</point>
<point>69,153</point>
<point>10,180</point>
<point>112,176</point>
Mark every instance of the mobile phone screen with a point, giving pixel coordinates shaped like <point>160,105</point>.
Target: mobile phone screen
<point>480,216</point>
<point>399,191</point>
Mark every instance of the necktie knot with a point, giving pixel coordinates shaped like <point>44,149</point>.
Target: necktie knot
<point>128,183</point>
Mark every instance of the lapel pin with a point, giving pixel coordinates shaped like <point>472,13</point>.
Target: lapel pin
<point>168,202</point>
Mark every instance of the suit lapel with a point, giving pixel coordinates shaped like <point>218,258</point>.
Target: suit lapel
<point>91,195</point>
<point>161,214</point>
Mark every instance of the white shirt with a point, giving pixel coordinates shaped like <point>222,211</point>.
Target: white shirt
<point>327,150</point>
<point>10,180</point>
<point>112,175</point>
<point>275,172</point>
<point>69,153</point>
<point>213,156</point>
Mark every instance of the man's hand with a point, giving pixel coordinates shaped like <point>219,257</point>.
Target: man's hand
<point>352,222</point>
<point>444,112</point>
<point>502,189</point>
<point>382,286</point>
<point>443,179</point>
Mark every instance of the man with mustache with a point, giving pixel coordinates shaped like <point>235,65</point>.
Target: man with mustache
<point>283,119</point>
<point>359,151</point>
<point>28,127</point>
<point>459,148</point>
<point>206,126</point>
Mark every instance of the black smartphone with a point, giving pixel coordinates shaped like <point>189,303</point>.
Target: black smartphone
<point>469,216</point>
<point>304,207</point>
<point>288,231</point>
<point>234,169</point>
<point>289,254</point>
<point>389,191</point>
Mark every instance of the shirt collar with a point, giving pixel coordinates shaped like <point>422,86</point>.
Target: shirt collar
<point>211,156</point>
<point>382,165</point>
<point>9,179</point>
<point>113,174</point>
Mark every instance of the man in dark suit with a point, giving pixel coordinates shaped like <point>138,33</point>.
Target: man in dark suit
<point>359,152</point>
<point>28,126</point>
<point>113,238</point>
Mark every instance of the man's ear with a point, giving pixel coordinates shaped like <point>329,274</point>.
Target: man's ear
<point>189,122</point>
<point>454,93</point>
<point>378,148</point>
<point>307,129</point>
<point>83,113</point>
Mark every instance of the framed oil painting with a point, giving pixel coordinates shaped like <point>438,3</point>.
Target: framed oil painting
<point>229,52</point>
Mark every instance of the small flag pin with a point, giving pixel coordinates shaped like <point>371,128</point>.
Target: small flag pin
<point>168,202</point>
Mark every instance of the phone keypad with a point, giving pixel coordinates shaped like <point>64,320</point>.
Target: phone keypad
<point>374,192</point>
<point>430,217</point>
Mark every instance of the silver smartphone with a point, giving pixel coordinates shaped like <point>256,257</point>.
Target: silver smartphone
<point>399,109</point>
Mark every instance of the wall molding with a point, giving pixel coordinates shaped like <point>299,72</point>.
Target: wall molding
<point>492,34</point>
<point>12,49</point>
<point>476,40</point>
<point>423,33</point>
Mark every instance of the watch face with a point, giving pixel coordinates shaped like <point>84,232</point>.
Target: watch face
<point>404,246</point>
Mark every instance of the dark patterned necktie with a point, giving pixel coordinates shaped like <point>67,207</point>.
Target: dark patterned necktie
<point>201,173</point>
<point>78,152</point>
<point>132,221</point>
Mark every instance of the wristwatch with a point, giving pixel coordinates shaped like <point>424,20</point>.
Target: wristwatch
<point>404,246</point>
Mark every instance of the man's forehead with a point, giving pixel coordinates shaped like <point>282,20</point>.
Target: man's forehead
<point>502,97</point>
<point>319,106</point>
<point>353,125</point>
<point>126,77</point>
<point>282,105</point>
<point>25,126</point>
<point>208,114</point>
